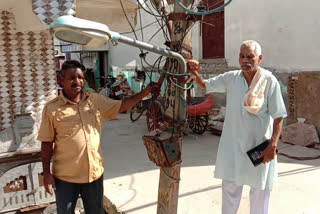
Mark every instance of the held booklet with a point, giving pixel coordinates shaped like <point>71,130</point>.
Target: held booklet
<point>255,153</point>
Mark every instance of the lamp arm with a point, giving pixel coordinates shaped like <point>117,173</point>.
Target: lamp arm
<point>152,48</point>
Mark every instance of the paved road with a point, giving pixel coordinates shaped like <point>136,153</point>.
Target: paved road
<point>131,180</point>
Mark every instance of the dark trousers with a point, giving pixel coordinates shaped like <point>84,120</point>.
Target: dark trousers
<point>91,194</point>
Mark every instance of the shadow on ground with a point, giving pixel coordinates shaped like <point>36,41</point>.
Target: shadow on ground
<point>125,152</point>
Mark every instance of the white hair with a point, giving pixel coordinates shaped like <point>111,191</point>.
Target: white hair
<point>253,45</point>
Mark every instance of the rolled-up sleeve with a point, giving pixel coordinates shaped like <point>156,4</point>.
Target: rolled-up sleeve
<point>46,131</point>
<point>276,106</point>
<point>109,108</point>
<point>216,84</point>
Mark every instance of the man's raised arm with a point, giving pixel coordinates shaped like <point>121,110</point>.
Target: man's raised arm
<point>134,99</point>
<point>193,68</point>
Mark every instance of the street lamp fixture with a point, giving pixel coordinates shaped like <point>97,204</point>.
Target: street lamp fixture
<point>94,35</point>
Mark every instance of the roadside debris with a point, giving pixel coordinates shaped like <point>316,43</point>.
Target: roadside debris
<point>300,133</point>
<point>299,152</point>
<point>300,141</point>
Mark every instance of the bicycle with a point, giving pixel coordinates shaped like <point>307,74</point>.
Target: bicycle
<point>144,105</point>
<point>137,110</point>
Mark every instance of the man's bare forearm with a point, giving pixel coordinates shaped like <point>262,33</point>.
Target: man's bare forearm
<point>132,100</point>
<point>277,127</point>
<point>194,67</point>
<point>46,155</point>
<point>200,81</point>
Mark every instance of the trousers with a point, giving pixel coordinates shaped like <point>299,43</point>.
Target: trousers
<point>231,196</point>
<point>91,194</point>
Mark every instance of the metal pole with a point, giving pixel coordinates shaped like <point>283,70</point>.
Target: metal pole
<point>154,49</point>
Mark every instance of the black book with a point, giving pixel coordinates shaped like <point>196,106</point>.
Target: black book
<point>255,153</point>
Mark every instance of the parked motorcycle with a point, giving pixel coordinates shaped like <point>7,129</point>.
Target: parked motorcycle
<point>112,88</point>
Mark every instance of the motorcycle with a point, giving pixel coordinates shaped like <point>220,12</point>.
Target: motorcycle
<point>112,88</point>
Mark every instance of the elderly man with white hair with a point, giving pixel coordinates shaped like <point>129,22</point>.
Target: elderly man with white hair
<point>254,114</point>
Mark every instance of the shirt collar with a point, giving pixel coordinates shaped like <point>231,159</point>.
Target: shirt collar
<point>65,100</point>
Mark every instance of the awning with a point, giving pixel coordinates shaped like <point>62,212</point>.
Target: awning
<point>33,15</point>
<point>108,12</point>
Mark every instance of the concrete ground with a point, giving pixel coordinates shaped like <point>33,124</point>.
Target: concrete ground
<point>131,179</point>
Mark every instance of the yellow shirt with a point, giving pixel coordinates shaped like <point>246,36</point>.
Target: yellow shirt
<point>75,130</point>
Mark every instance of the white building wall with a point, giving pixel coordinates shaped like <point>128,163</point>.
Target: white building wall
<point>196,41</point>
<point>288,31</point>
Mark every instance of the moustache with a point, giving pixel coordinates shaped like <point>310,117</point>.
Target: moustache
<point>76,85</point>
<point>246,65</point>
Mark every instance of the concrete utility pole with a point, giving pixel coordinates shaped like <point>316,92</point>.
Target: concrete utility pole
<point>170,177</point>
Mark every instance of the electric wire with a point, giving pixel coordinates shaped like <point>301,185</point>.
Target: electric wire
<point>150,12</point>
<point>202,13</point>
<point>144,27</point>
<point>142,37</point>
<point>125,14</point>
<point>155,16</point>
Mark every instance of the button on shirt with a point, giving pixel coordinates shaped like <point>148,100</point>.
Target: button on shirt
<point>75,130</point>
<point>243,130</point>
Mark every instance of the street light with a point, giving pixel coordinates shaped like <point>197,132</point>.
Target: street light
<point>94,35</point>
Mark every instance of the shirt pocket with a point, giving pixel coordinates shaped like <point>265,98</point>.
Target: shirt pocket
<point>95,117</point>
<point>67,124</point>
